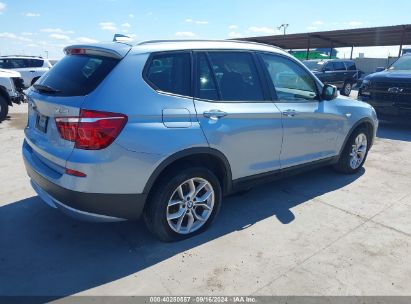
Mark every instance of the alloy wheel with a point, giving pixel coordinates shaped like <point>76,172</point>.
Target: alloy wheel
<point>358,151</point>
<point>190,205</point>
<point>347,89</point>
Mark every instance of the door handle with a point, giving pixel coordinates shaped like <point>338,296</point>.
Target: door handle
<point>32,71</point>
<point>214,114</point>
<point>290,113</point>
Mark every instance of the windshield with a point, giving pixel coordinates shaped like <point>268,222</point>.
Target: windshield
<point>314,65</point>
<point>404,63</point>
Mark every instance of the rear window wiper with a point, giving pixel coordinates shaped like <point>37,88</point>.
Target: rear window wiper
<point>45,88</point>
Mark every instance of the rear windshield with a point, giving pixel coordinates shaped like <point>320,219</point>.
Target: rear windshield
<point>77,75</point>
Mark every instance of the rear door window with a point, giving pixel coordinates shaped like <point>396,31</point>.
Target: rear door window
<point>14,63</point>
<point>207,88</point>
<point>339,66</point>
<point>77,75</point>
<point>170,72</point>
<point>329,66</point>
<point>18,63</point>
<point>35,63</point>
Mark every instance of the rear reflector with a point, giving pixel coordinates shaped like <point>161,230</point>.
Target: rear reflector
<point>75,173</point>
<point>92,130</point>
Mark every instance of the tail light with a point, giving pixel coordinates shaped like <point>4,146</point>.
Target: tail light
<point>92,130</point>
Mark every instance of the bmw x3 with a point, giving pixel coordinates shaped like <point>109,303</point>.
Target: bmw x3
<point>165,129</point>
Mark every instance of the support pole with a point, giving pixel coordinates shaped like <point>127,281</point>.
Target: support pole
<point>352,50</point>
<point>331,50</point>
<point>402,41</point>
<point>308,46</point>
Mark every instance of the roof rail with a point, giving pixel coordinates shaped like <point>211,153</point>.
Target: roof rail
<point>207,40</point>
<point>22,56</point>
<point>254,42</point>
<point>175,40</point>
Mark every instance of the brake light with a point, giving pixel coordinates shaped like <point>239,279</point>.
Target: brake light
<point>92,130</point>
<point>76,51</point>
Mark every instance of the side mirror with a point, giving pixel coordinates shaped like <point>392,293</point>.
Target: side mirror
<point>329,92</point>
<point>379,69</point>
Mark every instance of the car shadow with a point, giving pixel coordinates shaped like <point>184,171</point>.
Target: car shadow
<point>45,253</point>
<point>394,130</point>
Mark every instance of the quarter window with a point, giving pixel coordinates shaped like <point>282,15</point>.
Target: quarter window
<point>35,63</point>
<point>291,82</point>
<point>171,72</point>
<point>236,76</point>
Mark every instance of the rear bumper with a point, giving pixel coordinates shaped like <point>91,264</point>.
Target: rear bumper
<point>87,206</point>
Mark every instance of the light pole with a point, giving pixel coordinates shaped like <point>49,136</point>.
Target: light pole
<point>47,54</point>
<point>283,26</point>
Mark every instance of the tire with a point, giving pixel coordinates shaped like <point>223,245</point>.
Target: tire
<point>346,162</point>
<point>168,216</point>
<point>4,108</point>
<point>346,89</point>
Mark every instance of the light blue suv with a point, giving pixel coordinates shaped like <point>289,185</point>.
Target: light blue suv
<point>165,129</point>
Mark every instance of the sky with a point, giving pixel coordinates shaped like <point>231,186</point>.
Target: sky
<point>45,27</point>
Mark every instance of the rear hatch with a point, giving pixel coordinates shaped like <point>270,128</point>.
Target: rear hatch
<point>61,92</point>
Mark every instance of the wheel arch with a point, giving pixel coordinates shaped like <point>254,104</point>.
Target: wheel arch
<point>5,95</point>
<point>209,157</point>
<point>364,122</point>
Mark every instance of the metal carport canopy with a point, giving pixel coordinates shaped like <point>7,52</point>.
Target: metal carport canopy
<point>363,37</point>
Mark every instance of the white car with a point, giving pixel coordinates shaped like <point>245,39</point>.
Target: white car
<point>31,68</point>
<point>11,91</point>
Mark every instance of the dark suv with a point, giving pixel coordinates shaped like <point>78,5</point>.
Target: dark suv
<point>389,91</point>
<point>341,73</point>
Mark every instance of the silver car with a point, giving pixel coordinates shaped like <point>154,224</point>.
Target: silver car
<point>165,129</point>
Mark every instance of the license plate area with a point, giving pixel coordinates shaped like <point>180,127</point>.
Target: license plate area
<point>41,122</point>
